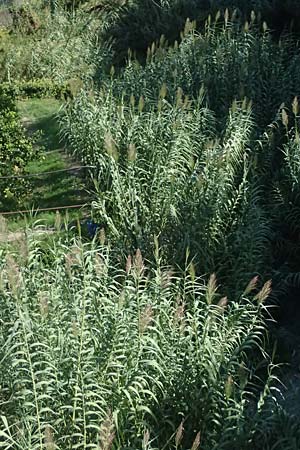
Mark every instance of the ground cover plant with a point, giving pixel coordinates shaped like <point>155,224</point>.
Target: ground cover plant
<point>160,332</point>
<point>51,185</point>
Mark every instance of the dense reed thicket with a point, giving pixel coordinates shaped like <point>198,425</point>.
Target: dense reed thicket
<point>155,335</point>
<point>101,356</point>
<point>135,24</point>
<point>197,148</point>
<point>179,158</point>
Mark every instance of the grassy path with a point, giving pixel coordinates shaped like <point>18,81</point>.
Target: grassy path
<point>55,189</point>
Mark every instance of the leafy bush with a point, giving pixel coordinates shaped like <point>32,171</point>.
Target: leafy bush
<point>40,88</point>
<point>7,99</point>
<point>16,150</point>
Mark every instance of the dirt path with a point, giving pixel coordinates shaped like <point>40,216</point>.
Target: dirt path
<point>57,181</point>
<point>21,235</point>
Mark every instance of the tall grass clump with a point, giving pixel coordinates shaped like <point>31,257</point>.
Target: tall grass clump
<point>96,355</point>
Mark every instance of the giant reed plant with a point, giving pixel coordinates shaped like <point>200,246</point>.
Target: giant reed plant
<point>166,170</point>
<point>99,356</point>
<point>229,59</point>
<point>158,173</point>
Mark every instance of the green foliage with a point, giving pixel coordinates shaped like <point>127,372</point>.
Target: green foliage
<point>158,172</point>
<point>16,150</point>
<point>7,99</point>
<point>41,88</point>
<point>179,166</point>
<point>229,61</point>
<point>168,166</point>
<point>215,172</point>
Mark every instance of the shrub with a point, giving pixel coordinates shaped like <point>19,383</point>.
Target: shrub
<point>7,99</point>
<point>40,88</point>
<point>16,150</point>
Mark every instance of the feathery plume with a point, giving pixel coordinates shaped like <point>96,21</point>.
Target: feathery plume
<point>196,442</point>
<point>264,292</point>
<point>146,439</point>
<point>43,298</point>
<point>295,105</point>
<point>251,285</point>
<point>179,434</point>
<point>211,288</point>
<point>107,433</point>
<point>139,263</point>
<point>13,274</point>
<point>49,438</point>
<point>145,319</point>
